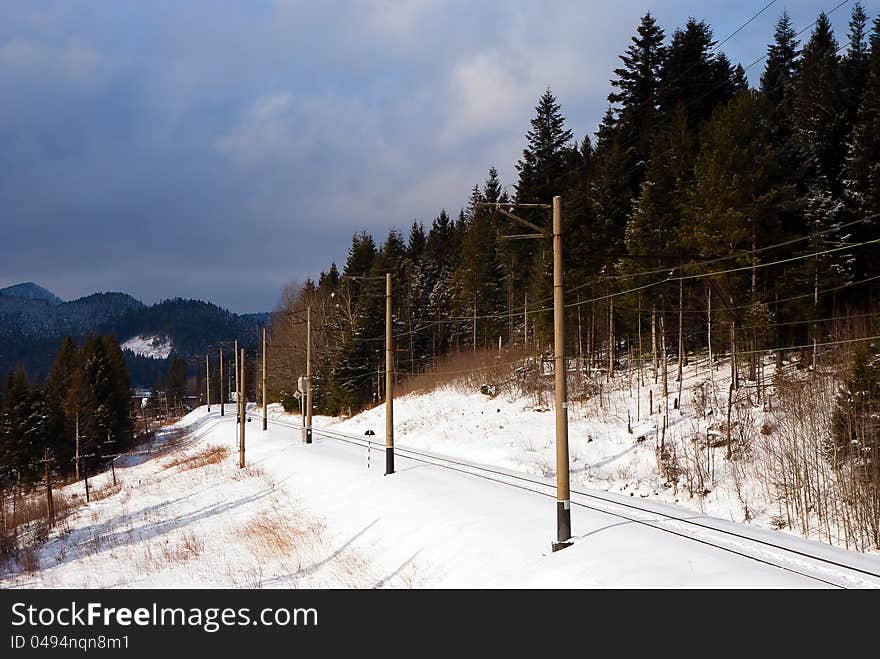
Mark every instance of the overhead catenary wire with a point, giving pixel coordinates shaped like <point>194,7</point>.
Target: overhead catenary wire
<point>671,278</point>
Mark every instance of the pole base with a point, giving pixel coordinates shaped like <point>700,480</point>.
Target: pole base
<point>556,546</point>
<point>389,460</point>
<point>264,423</point>
<point>563,522</point>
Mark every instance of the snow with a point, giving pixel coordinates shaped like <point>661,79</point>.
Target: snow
<point>149,346</point>
<point>318,516</point>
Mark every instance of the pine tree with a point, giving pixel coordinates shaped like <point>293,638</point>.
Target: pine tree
<point>478,276</point>
<point>780,72</point>
<point>546,155</point>
<point>637,98</point>
<point>855,431</point>
<point>855,64</point>
<point>17,455</point>
<point>819,111</point>
<point>175,381</point>
<point>692,77</point>
<point>863,163</point>
<point>118,394</point>
<point>62,380</point>
<point>653,233</point>
<point>737,197</point>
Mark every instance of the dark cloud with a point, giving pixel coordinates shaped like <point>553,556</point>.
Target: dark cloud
<point>216,150</point>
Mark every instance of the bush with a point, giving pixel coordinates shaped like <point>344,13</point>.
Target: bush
<point>856,420</point>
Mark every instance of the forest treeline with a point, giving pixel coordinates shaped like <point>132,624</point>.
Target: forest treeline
<point>699,202</point>
<point>82,410</point>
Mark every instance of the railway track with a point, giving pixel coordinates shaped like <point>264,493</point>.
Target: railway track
<point>835,572</point>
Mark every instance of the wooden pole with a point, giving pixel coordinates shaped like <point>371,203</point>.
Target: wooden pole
<point>265,390</point>
<point>237,388</point>
<point>308,393</point>
<point>243,414</point>
<point>208,382</point>
<point>50,506</point>
<point>76,456</point>
<point>610,335</point>
<point>709,331</point>
<point>475,323</point>
<point>389,380</point>
<point>654,340</point>
<point>563,496</point>
<point>680,374</point>
<point>222,396</point>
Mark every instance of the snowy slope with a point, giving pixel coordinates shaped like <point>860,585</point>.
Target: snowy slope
<point>149,346</point>
<point>613,439</point>
<point>316,515</point>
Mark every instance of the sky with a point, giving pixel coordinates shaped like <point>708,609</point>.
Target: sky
<point>220,149</point>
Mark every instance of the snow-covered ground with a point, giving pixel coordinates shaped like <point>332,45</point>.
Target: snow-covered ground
<point>318,516</point>
<point>613,437</point>
<point>157,347</point>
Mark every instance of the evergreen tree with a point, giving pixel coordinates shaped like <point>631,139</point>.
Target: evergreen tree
<point>855,64</point>
<point>855,431</point>
<point>819,111</point>
<point>692,77</point>
<point>61,379</point>
<point>547,153</point>
<point>17,456</point>
<point>478,275</point>
<point>637,98</point>
<point>863,163</point>
<point>175,381</point>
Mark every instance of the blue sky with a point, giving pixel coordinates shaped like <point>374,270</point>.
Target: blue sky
<point>218,149</point>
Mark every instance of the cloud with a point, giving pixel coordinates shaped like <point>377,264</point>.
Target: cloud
<point>142,140</point>
<point>73,63</point>
<point>264,132</point>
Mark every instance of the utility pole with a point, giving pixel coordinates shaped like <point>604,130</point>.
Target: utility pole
<point>389,382</point>
<point>208,382</point>
<point>76,457</point>
<point>50,506</point>
<point>222,396</point>
<point>237,388</point>
<point>474,339</point>
<point>242,415</point>
<point>611,343</point>
<point>563,497</point>
<point>309,374</point>
<point>265,392</point>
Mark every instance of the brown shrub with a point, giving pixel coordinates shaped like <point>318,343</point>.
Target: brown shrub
<point>207,456</point>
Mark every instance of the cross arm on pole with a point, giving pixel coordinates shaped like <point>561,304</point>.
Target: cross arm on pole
<point>522,236</point>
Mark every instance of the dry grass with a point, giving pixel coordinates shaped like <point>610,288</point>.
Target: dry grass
<point>25,524</point>
<point>207,456</point>
<point>108,490</point>
<point>271,537</point>
<point>509,370</point>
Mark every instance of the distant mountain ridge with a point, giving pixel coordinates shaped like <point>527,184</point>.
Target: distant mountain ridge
<point>33,320</point>
<point>30,291</point>
<point>40,318</point>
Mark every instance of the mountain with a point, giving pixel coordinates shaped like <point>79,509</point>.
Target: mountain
<point>190,326</point>
<point>32,325</point>
<point>40,318</point>
<point>30,291</point>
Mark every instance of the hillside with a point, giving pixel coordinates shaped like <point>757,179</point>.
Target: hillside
<point>30,291</point>
<point>32,324</point>
<point>40,318</point>
<point>182,514</point>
